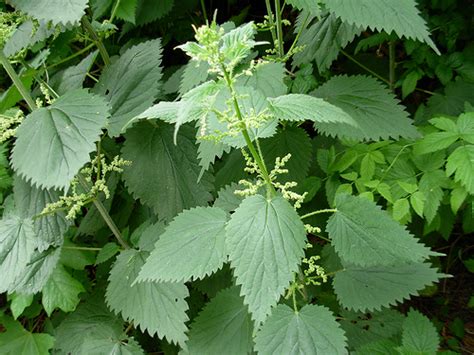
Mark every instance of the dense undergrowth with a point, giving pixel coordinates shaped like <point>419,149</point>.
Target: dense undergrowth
<point>236,177</point>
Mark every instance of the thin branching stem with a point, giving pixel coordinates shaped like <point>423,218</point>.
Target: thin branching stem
<point>327,210</point>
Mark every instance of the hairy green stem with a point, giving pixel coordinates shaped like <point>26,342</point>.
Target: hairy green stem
<point>392,64</point>
<point>82,248</point>
<point>98,42</point>
<point>105,215</point>
<point>327,210</point>
<point>258,159</point>
<point>281,51</point>
<point>17,81</point>
<point>114,11</point>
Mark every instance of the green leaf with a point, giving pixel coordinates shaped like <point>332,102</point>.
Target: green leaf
<point>379,347</point>
<point>435,141</point>
<point>91,322</point>
<point>409,83</point>
<point>419,335</point>
<point>299,107</point>
<point>35,275</point>
<point>461,164</point>
<point>227,199</point>
<point>401,209</point>
<point>371,105</point>
<point>265,241</point>
<point>266,78</point>
<point>363,234</point>
<point>322,39</point>
<point>458,196</point>
<point>73,77</point>
<point>150,236</point>
<point>15,340</point>
<point>430,187</point>
<point>362,329</point>
<point>294,141</point>
<point>131,83</point>
<point>196,237</point>
<point>195,73</point>
<point>26,35</point>
<point>56,11</point>
<point>314,7</point>
<point>30,202</point>
<point>17,245</point>
<point>61,291</point>
<point>311,330</point>
<point>417,201</point>
<point>222,327</point>
<point>402,17</point>
<point>126,10</point>
<point>147,11</point>
<point>171,172</point>
<point>371,288</point>
<point>19,303</point>
<point>107,252</point>
<point>54,142</point>
<point>158,308</point>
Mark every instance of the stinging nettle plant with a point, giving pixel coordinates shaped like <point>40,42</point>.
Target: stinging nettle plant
<point>234,124</point>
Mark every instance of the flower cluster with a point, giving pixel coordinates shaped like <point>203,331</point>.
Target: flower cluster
<point>98,170</point>
<point>8,23</point>
<point>251,188</point>
<point>314,269</point>
<point>9,122</point>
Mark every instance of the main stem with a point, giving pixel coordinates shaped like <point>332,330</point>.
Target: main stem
<point>17,81</point>
<point>281,51</point>
<point>270,20</point>
<point>105,215</point>
<point>98,42</point>
<point>258,159</point>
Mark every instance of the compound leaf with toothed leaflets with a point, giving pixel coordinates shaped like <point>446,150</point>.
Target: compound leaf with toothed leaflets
<point>196,237</point>
<point>363,234</point>
<point>372,106</point>
<point>156,307</point>
<point>461,164</point>
<point>54,142</point>
<point>371,288</point>
<point>171,171</point>
<point>400,16</point>
<point>222,327</point>
<point>265,241</point>
<point>56,11</point>
<point>311,330</point>
<point>131,83</point>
